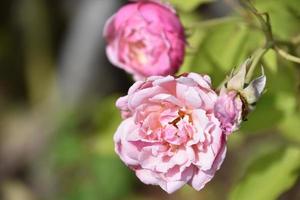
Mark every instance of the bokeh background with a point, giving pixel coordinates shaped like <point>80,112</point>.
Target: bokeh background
<point>57,94</point>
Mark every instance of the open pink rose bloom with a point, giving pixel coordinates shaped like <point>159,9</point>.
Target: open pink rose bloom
<point>145,38</point>
<point>171,135</point>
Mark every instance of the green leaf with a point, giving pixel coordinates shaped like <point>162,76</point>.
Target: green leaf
<point>108,118</point>
<point>68,150</point>
<point>270,60</point>
<point>250,150</point>
<point>236,140</point>
<point>264,117</point>
<point>224,46</point>
<point>195,37</point>
<point>269,176</point>
<point>103,167</point>
<point>94,180</point>
<point>221,47</point>
<point>194,42</point>
<point>286,102</point>
<point>289,127</point>
<point>82,156</point>
<point>106,115</point>
<point>189,5</point>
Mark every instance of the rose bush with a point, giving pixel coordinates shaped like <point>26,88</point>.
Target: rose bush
<point>145,38</point>
<point>170,135</point>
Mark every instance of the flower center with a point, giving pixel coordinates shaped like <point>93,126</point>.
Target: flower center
<point>136,51</point>
<point>179,130</point>
<point>181,115</point>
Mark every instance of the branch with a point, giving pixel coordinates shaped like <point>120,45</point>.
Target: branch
<point>286,55</point>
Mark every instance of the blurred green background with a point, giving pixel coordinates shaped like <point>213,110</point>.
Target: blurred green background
<point>57,95</point>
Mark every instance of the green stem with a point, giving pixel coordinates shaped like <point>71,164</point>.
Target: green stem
<point>286,55</point>
<point>267,29</point>
<point>270,42</point>
<point>258,54</point>
<point>264,22</point>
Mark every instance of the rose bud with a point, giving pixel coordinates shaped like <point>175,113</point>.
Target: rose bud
<point>145,38</point>
<point>237,99</point>
<point>228,109</point>
<point>170,135</point>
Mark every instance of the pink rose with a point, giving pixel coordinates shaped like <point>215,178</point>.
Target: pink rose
<point>170,135</point>
<point>145,38</point>
<point>228,109</point>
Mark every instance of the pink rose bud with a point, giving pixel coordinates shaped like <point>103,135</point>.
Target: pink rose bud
<point>228,109</point>
<point>237,98</point>
<point>145,38</point>
<point>170,135</point>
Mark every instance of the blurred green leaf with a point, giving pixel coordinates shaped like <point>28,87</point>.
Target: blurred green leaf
<point>284,80</point>
<point>103,177</point>
<point>108,118</point>
<point>195,37</point>
<point>83,155</point>
<point>106,167</point>
<point>68,150</point>
<point>270,59</point>
<point>236,140</point>
<point>289,127</point>
<point>284,14</point>
<point>269,176</point>
<point>250,150</point>
<point>264,117</point>
<point>194,42</point>
<point>189,19</point>
<point>219,40</point>
<point>286,102</point>
<point>224,46</point>
<point>106,115</point>
<point>188,5</point>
